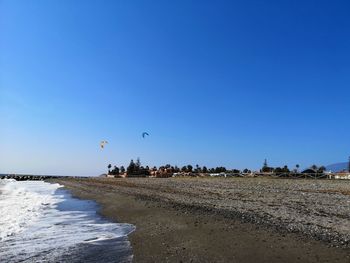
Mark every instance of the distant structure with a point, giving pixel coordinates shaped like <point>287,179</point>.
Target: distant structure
<point>265,163</point>
<point>349,165</point>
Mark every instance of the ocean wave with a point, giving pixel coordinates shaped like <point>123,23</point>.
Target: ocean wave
<point>40,219</point>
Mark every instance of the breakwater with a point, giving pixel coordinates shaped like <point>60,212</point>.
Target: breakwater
<point>27,177</point>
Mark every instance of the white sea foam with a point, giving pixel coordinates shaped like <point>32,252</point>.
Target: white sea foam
<point>38,218</point>
<point>21,205</point>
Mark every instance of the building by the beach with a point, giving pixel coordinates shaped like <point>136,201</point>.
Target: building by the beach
<point>342,175</point>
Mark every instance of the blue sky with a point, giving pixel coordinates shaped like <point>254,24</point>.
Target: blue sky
<point>216,83</point>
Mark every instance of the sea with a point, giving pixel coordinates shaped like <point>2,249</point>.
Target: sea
<point>42,222</point>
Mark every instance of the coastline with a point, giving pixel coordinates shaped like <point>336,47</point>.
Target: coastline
<point>42,222</point>
<point>178,233</point>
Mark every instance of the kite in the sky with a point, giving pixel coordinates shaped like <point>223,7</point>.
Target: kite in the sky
<point>144,134</point>
<point>102,144</point>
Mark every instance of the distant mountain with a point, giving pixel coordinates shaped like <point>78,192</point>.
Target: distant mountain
<point>337,167</point>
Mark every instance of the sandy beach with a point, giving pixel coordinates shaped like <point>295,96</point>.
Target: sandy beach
<point>226,220</point>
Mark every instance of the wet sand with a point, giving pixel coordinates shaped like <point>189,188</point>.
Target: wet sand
<point>168,232</point>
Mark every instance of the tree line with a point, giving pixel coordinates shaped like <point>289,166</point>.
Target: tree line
<point>135,168</point>
<point>281,170</point>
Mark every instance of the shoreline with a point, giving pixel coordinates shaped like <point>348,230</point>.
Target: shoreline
<point>170,232</point>
<point>42,222</point>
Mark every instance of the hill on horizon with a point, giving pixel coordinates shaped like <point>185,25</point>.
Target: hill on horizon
<point>337,167</point>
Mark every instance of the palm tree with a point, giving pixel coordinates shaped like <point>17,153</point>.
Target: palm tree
<point>197,168</point>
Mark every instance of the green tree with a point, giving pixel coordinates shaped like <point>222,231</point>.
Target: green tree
<point>109,168</point>
<point>266,168</point>
<point>285,169</point>
<point>122,169</point>
<point>131,168</point>
<point>196,170</point>
<point>314,167</point>
<point>321,169</point>
<point>205,169</point>
<point>115,171</point>
<point>278,170</point>
<point>220,169</point>
<point>138,163</point>
<point>189,168</point>
<point>265,163</point>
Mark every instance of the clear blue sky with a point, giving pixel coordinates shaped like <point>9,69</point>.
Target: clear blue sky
<point>214,83</point>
